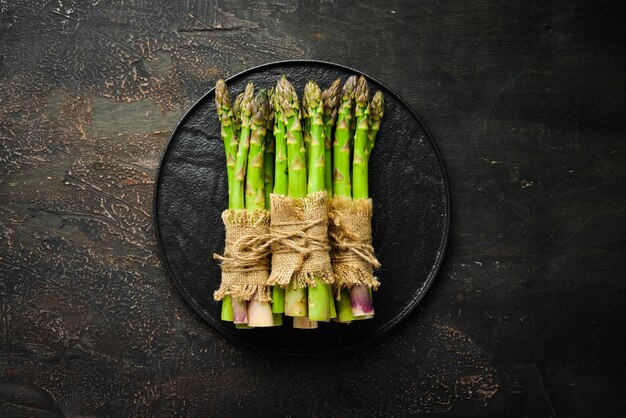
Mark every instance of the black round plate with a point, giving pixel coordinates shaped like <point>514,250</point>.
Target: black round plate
<point>411,212</point>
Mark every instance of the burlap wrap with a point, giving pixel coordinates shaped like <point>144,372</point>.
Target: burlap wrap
<point>299,229</point>
<point>245,263</point>
<point>350,236</point>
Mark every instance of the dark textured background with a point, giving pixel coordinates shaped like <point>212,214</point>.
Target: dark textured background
<point>526,100</point>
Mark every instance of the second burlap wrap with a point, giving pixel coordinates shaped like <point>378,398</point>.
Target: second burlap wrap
<point>245,263</point>
<point>299,230</point>
<point>350,235</point>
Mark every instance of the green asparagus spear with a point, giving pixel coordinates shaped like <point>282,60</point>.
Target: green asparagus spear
<point>341,145</point>
<point>360,296</point>
<point>243,147</point>
<point>295,299</point>
<point>344,308</point>
<point>234,144</point>
<point>377,110</point>
<point>319,309</point>
<point>280,183</point>
<point>330,97</point>
<point>331,301</point>
<point>259,313</point>
<point>306,129</point>
<point>243,107</point>
<point>291,113</point>
<point>352,130</point>
<point>317,162</point>
<point>269,159</point>
<point>341,169</point>
<point>226,118</point>
<point>227,309</point>
<point>280,131</point>
<point>269,151</point>
<point>255,195</point>
<point>225,114</point>
<point>237,116</point>
<point>361,113</point>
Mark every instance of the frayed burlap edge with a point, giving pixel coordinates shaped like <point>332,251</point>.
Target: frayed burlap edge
<point>300,249</point>
<point>350,235</point>
<point>245,263</point>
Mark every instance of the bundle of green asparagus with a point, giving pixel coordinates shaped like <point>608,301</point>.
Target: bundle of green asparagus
<point>293,162</point>
<point>353,259</point>
<point>245,263</point>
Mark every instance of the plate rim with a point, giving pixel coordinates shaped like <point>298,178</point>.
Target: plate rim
<point>398,317</point>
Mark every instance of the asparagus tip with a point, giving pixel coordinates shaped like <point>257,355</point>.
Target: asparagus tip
<point>261,107</point>
<point>330,97</point>
<point>376,110</point>
<point>377,106</point>
<point>272,114</point>
<point>222,100</point>
<point>348,87</point>
<point>247,105</point>
<point>361,92</point>
<point>237,104</point>
<point>312,97</point>
<point>286,98</point>
<point>249,89</point>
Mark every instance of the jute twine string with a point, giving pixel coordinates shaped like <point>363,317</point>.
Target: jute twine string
<point>299,243</point>
<point>350,236</point>
<point>245,263</point>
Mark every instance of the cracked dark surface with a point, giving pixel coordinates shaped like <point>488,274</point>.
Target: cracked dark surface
<point>525,318</point>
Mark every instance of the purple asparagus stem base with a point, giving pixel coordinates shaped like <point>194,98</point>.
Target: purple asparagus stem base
<point>361,301</point>
<point>240,311</point>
